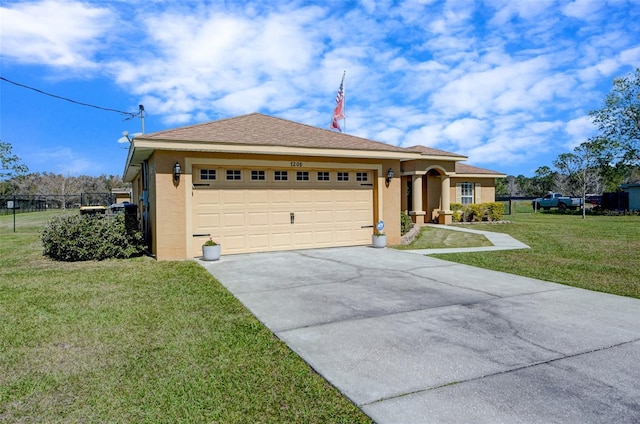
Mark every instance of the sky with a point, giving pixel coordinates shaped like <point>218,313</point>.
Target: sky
<point>507,83</point>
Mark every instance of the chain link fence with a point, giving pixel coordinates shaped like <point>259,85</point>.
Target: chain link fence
<point>23,203</point>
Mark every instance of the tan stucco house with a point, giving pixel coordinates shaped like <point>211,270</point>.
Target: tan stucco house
<point>257,183</point>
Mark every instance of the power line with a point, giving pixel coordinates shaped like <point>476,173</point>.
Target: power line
<point>129,114</point>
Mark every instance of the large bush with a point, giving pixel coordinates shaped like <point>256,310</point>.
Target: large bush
<point>493,211</point>
<point>84,237</point>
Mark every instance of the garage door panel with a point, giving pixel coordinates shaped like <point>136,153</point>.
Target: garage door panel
<point>303,239</point>
<point>258,241</point>
<point>324,196</point>
<point>303,217</point>
<point>207,220</point>
<point>324,217</point>
<point>281,240</point>
<point>343,236</point>
<point>280,217</point>
<point>342,216</point>
<point>258,197</point>
<point>230,198</point>
<point>233,220</point>
<point>324,238</point>
<point>344,196</point>
<point>281,197</point>
<point>233,243</point>
<point>258,218</point>
<point>302,197</point>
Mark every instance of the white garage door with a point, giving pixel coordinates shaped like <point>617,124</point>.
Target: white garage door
<point>259,210</point>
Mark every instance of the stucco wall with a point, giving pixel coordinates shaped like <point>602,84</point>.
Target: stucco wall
<point>170,219</point>
<point>391,201</point>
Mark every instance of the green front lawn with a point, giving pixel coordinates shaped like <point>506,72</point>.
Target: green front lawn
<point>441,238</point>
<point>140,341</point>
<point>598,253</point>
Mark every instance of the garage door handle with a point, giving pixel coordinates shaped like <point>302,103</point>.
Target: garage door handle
<point>202,235</point>
<point>367,226</point>
<point>292,216</point>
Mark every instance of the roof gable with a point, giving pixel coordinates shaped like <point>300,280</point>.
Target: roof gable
<point>430,151</point>
<point>463,168</point>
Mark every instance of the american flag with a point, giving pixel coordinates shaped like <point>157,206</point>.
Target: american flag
<point>338,112</point>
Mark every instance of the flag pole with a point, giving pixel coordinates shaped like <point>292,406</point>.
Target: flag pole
<point>338,112</point>
<point>344,101</point>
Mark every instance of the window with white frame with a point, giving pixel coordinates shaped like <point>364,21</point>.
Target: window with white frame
<point>302,176</point>
<point>362,176</point>
<point>207,174</point>
<point>323,176</point>
<point>258,176</point>
<point>280,175</point>
<point>466,193</point>
<point>234,175</point>
<point>343,176</point>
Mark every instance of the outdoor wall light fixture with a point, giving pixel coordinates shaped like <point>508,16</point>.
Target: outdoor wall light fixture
<point>389,175</point>
<point>177,170</point>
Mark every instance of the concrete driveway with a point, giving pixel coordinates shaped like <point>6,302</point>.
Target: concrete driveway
<point>413,339</point>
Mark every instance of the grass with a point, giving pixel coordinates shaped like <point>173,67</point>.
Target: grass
<point>437,238</point>
<point>140,341</point>
<point>599,253</point>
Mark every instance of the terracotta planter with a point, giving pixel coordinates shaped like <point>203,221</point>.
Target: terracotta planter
<point>211,253</point>
<point>378,241</point>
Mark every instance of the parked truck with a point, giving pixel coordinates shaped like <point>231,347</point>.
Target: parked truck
<point>556,200</point>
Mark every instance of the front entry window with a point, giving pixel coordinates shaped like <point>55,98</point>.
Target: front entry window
<point>466,193</point>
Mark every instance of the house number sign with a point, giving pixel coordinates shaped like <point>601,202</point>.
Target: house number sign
<point>296,164</point>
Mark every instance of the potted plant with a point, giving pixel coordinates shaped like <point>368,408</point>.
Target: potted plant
<point>210,250</point>
<point>379,239</point>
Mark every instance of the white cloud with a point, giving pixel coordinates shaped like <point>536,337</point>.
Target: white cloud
<point>64,160</point>
<point>465,133</point>
<point>54,33</point>
<point>579,130</point>
<point>583,9</point>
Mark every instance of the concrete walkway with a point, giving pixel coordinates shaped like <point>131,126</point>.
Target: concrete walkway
<point>499,241</point>
<point>414,339</point>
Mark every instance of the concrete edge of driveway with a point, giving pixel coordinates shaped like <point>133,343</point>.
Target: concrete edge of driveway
<point>500,242</point>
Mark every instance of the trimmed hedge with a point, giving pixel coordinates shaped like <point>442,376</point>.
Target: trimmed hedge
<point>476,212</point>
<point>84,238</point>
<point>405,223</point>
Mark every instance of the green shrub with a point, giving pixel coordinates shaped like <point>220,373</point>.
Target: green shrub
<point>493,211</point>
<point>85,237</point>
<point>456,208</point>
<point>405,223</point>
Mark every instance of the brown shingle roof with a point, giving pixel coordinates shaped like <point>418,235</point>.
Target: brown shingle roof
<point>433,152</point>
<point>463,168</point>
<point>258,129</point>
